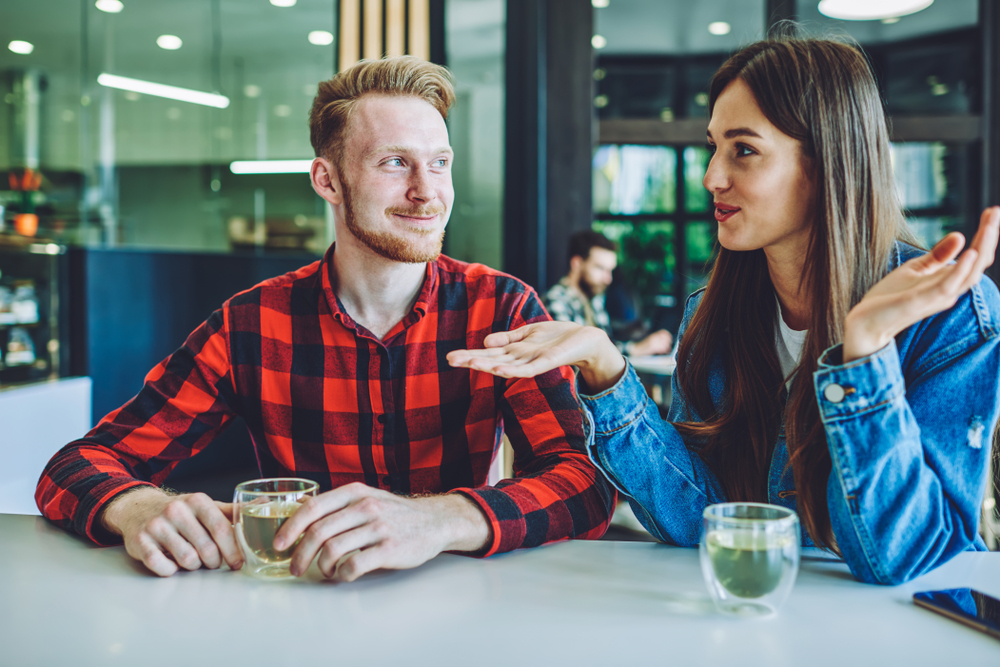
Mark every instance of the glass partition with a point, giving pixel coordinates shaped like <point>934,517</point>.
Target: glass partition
<point>128,162</point>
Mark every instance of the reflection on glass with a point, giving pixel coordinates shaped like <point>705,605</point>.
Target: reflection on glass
<point>920,174</point>
<point>696,197</point>
<point>699,240</point>
<point>635,179</point>
<point>646,257</point>
<point>931,230</point>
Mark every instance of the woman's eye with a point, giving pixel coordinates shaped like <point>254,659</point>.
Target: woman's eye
<point>710,148</point>
<point>743,151</point>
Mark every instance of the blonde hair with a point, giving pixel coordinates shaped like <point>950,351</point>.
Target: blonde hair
<point>402,75</point>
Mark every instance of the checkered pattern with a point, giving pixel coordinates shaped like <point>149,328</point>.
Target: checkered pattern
<point>324,399</point>
<point>568,305</point>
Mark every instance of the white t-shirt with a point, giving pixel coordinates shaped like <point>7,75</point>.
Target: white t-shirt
<point>789,344</point>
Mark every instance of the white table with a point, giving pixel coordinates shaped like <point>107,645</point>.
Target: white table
<point>574,603</point>
<point>659,364</point>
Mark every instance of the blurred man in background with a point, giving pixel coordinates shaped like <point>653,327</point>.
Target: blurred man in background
<point>579,296</point>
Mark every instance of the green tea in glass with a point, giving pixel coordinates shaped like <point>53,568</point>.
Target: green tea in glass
<point>749,556</point>
<point>260,507</point>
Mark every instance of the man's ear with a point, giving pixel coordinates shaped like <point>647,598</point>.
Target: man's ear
<point>574,264</point>
<point>326,181</point>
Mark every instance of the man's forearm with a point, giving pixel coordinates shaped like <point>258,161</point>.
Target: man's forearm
<point>467,528</point>
<point>126,504</point>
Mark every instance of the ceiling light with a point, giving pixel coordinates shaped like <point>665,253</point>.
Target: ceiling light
<point>109,6</point>
<point>24,48</point>
<point>870,10</point>
<point>161,90</point>
<point>251,90</point>
<point>600,4</point>
<point>283,3</point>
<point>891,20</point>
<point>320,37</point>
<point>169,42</point>
<point>719,28</point>
<point>598,41</point>
<point>271,166</point>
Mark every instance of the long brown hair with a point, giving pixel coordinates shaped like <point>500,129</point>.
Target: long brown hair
<point>823,94</point>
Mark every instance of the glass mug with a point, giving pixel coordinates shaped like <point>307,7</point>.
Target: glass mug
<point>749,556</point>
<point>260,507</point>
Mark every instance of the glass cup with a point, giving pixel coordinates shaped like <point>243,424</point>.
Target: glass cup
<point>749,556</point>
<point>260,507</point>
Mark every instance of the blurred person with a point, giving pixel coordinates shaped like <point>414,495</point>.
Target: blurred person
<point>339,371</point>
<point>830,366</point>
<point>579,296</point>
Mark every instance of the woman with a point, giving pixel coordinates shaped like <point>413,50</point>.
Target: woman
<point>829,366</point>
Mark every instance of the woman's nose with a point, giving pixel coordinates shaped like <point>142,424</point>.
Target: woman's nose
<point>716,179</point>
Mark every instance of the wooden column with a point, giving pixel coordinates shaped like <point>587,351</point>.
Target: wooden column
<point>779,10</point>
<point>550,133</point>
<point>989,20</point>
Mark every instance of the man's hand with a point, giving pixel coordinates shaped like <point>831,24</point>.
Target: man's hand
<point>658,342</point>
<point>164,531</point>
<point>356,529</point>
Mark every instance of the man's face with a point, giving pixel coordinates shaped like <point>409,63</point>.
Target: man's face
<point>595,271</point>
<point>396,177</point>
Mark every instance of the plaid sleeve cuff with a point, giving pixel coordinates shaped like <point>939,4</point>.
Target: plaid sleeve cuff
<point>507,529</point>
<point>104,493</point>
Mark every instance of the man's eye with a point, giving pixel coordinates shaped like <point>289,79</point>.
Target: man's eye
<point>394,162</point>
<point>443,162</point>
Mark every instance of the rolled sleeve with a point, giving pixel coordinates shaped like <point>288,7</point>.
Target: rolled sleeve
<point>844,390</point>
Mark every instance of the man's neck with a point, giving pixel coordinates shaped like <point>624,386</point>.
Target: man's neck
<point>376,292</point>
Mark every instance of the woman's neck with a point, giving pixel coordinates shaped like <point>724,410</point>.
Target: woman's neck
<point>786,269</point>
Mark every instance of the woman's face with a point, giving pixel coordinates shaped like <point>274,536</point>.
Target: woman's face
<point>758,177</point>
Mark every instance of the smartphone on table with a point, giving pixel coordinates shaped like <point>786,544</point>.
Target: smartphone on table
<point>965,605</point>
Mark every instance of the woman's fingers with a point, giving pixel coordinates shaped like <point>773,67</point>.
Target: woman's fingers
<point>503,338</point>
<point>943,251</point>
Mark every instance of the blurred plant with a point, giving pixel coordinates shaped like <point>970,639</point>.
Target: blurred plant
<point>648,263</point>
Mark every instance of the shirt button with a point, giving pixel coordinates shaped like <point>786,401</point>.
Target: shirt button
<point>382,419</point>
<point>834,393</point>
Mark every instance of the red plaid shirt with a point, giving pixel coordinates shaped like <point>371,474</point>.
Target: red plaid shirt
<point>326,400</point>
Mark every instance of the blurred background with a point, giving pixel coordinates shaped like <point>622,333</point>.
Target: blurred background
<point>130,211</point>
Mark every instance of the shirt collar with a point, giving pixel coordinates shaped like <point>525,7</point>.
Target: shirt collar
<point>426,296</point>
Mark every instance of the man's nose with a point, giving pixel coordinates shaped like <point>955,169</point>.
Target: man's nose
<point>421,187</point>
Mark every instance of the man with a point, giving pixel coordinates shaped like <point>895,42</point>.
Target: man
<point>579,296</point>
<point>339,371</point>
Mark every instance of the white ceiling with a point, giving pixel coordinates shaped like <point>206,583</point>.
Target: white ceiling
<point>263,37</point>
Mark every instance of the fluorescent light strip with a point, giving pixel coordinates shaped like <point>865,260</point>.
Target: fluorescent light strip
<point>161,90</point>
<point>271,166</point>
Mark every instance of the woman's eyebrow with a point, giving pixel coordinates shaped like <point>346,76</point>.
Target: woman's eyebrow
<point>737,132</point>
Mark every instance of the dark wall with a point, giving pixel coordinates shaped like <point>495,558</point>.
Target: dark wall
<point>131,309</point>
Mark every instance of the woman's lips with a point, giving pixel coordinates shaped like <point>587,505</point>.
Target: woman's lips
<point>724,212</point>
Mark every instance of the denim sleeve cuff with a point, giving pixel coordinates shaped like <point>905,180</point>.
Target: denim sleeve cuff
<point>844,390</point>
<point>618,406</point>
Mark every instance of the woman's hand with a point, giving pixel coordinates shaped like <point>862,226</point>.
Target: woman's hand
<point>921,287</point>
<point>536,348</point>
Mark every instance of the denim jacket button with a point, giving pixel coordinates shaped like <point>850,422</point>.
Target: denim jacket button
<point>834,393</point>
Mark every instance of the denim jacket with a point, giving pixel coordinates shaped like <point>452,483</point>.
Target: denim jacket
<point>909,429</point>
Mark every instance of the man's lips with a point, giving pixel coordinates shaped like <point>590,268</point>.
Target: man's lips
<point>417,217</point>
<point>724,211</point>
